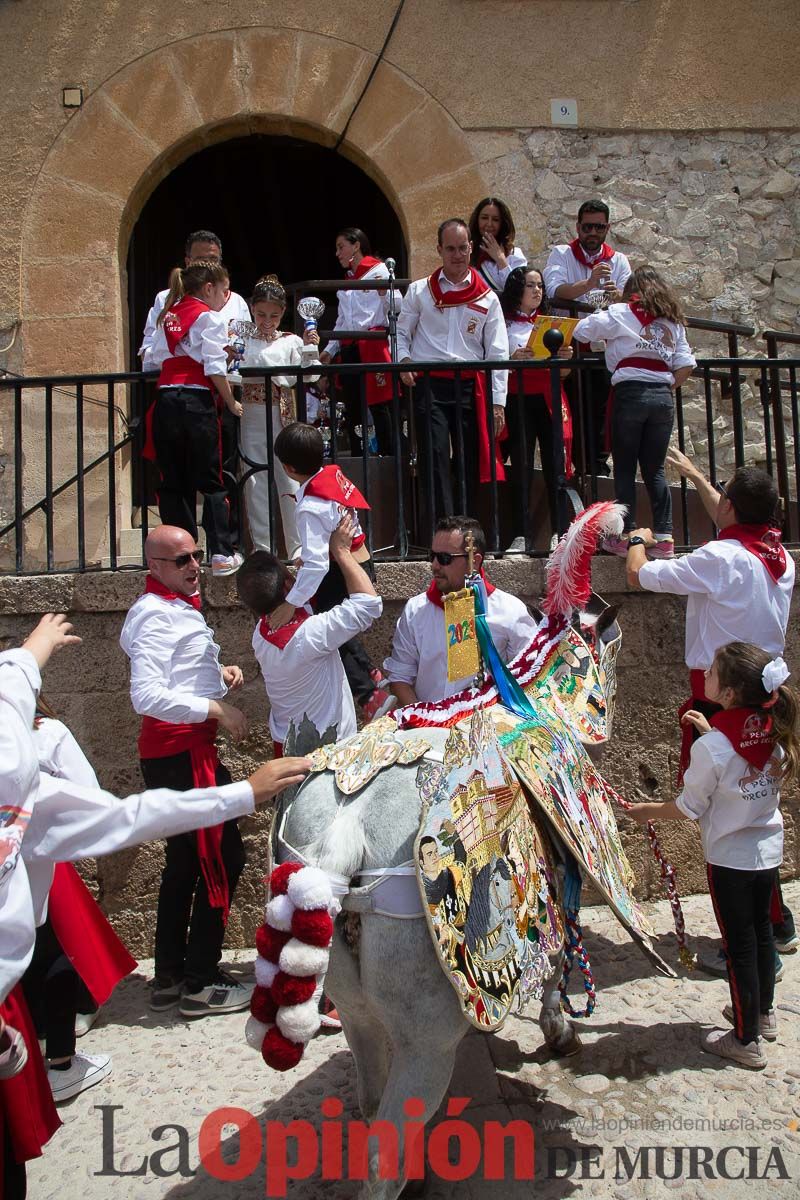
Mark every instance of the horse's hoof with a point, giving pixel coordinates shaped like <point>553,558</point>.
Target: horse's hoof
<point>565,1049</point>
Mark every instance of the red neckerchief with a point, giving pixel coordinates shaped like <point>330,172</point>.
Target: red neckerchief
<point>468,294</point>
<point>522,318</point>
<point>330,483</point>
<point>366,264</point>
<point>749,731</point>
<point>281,637</point>
<point>764,542</point>
<point>151,584</point>
<point>604,254</point>
<point>435,596</point>
<point>180,319</point>
<point>642,315</point>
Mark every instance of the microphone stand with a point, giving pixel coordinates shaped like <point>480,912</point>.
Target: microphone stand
<point>393,312</point>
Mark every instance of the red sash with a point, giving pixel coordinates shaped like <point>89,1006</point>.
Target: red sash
<point>378,385</point>
<point>281,637</point>
<point>604,255</point>
<point>26,1102</point>
<point>764,542</point>
<point>85,935</point>
<point>697,693</point>
<point>435,596</point>
<point>180,370</point>
<point>644,317</point>
<point>330,483</point>
<point>749,731</point>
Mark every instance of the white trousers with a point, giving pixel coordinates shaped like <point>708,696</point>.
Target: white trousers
<point>258,492</point>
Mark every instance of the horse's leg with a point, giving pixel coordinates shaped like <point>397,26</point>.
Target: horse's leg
<point>559,1032</point>
<point>421,1074</point>
<point>364,1033</point>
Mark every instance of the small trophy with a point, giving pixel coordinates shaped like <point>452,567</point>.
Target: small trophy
<point>599,298</point>
<point>240,332</point>
<point>311,309</point>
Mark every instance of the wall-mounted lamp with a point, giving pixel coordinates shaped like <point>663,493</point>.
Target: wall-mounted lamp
<point>72,97</point>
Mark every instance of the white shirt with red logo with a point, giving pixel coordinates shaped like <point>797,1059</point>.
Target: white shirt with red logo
<point>361,309</point>
<point>460,333</point>
<point>316,520</point>
<point>626,337</point>
<point>234,309</point>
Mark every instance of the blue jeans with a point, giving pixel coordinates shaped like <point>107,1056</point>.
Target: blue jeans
<point>640,431</point>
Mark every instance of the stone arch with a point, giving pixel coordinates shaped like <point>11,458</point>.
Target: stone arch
<point>170,103</point>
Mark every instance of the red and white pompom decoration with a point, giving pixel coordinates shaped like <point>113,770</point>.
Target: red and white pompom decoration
<point>293,948</point>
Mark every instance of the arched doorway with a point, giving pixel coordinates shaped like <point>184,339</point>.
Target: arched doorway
<point>275,202</point>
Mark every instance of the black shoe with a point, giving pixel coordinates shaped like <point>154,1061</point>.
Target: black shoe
<point>166,994</point>
<point>224,995</point>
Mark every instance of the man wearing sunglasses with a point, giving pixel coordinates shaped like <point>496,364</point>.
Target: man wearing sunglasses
<point>581,270</point>
<point>417,666</point>
<point>177,687</point>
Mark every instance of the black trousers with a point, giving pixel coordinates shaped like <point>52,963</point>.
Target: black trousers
<point>741,902</point>
<point>50,985</point>
<point>230,469</point>
<point>189,931</point>
<point>443,423</point>
<point>589,418</point>
<point>529,415</point>
<point>641,427</point>
<point>381,414</point>
<point>15,1177</point>
<point>188,444</point>
<point>355,660</point>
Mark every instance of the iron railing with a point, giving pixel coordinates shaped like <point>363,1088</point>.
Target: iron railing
<point>77,462</point>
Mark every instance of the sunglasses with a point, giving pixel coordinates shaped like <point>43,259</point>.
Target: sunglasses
<point>443,558</point>
<point>589,226</point>
<point>721,489</point>
<point>182,560</point>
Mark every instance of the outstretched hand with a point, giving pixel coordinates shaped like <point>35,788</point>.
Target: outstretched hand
<point>52,634</point>
<point>276,775</point>
<point>681,462</point>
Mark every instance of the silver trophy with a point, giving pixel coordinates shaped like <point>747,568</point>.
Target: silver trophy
<point>310,309</point>
<point>240,333</point>
<point>599,298</point>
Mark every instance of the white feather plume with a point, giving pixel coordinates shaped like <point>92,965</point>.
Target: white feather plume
<point>569,567</point>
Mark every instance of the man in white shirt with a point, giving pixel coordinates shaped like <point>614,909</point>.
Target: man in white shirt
<point>300,662</point>
<point>453,316</point>
<point>417,665</point>
<point>585,269</point>
<point>177,686</point>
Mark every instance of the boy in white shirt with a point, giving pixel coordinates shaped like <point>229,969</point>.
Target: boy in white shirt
<point>300,663</point>
<point>324,495</point>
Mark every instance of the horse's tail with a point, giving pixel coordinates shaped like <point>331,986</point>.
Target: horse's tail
<point>569,568</point>
<point>340,849</point>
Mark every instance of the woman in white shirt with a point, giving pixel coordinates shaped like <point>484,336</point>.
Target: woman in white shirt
<point>732,788</point>
<point>271,348</point>
<point>492,233</point>
<point>648,356</point>
<point>366,310</point>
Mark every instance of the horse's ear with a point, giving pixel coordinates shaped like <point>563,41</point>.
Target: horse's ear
<point>607,618</point>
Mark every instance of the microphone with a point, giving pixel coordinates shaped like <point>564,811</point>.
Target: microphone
<point>390,265</point>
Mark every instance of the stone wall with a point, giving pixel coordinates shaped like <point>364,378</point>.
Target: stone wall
<point>89,689</point>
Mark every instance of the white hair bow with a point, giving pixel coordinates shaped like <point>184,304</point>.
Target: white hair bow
<point>774,674</point>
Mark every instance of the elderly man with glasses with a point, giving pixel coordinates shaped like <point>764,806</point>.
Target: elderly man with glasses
<point>417,666</point>
<point>587,269</point>
<point>177,687</point>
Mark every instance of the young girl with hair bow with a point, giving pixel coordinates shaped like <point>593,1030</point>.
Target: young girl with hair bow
<point>732,788</point>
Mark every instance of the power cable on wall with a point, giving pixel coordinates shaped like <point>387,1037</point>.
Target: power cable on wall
<point>371,75</point>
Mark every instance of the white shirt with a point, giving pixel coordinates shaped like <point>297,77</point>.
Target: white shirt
<point>626,337</point>
<point>306,677</point>
<point>741,825</point>
<point>419,645</point>
<point>205,343</point>
<point>496,276</point>
<point>316,520</point>
<point>361,309</point>
<point>563,267</point>
<point>175,668</point>
<point>234,309</point>
<point>462,333</point>
<point>732,598</point>
<point>287,350</point>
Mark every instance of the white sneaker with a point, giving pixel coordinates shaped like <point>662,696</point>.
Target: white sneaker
<point>85,1021</point>
<point>727,1045</point>
<point>84,1072</point>
<point>516,547</point>
<point>224,995</point>
<point>226,564</point>
<point>767,1022</point>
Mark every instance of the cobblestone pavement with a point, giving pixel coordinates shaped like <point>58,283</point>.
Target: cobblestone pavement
<point>639,1082</point>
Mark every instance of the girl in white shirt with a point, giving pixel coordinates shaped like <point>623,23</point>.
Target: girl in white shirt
<point>492,233</point>
<point>732,787</point>
<point>648,356</point>
<point>271,348</point>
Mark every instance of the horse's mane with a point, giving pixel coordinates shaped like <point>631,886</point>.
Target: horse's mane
<point>477,923</point>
